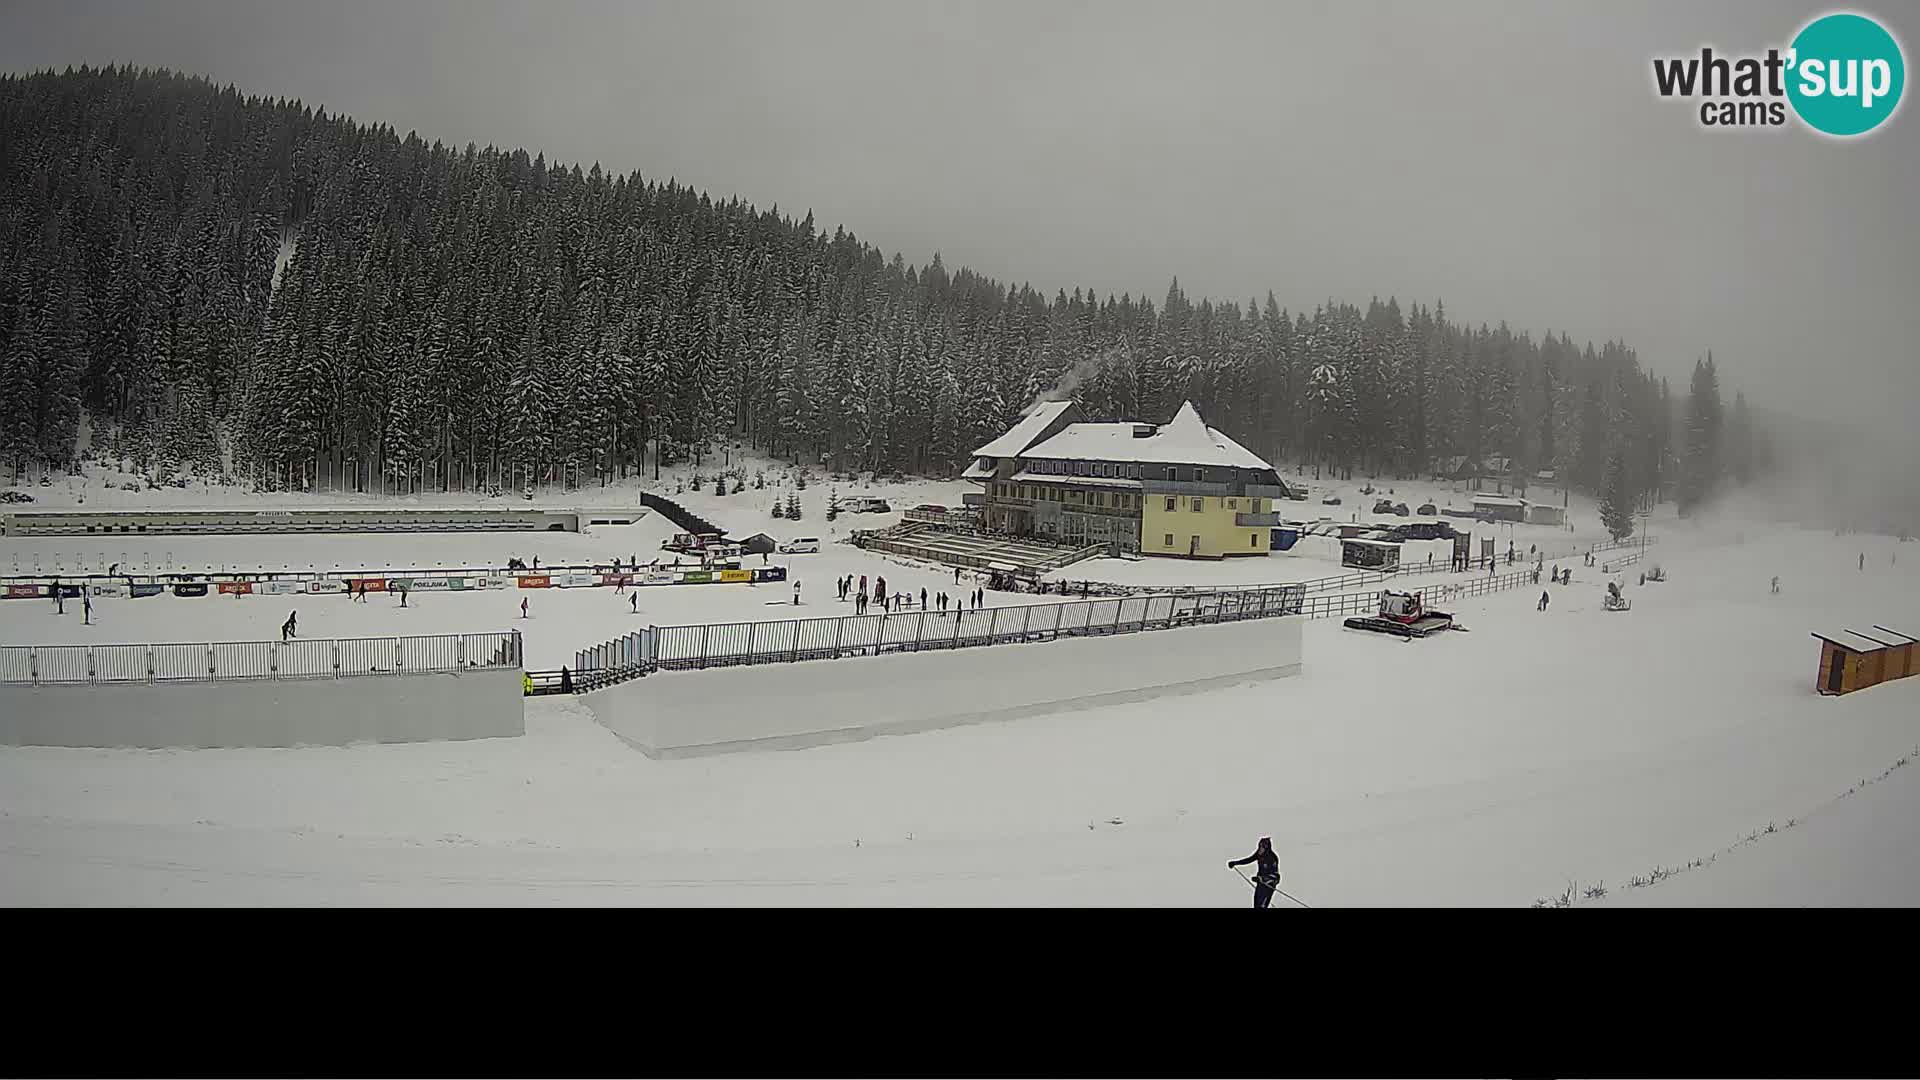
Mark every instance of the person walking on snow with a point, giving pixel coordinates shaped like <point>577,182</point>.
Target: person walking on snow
<point>633,598</point>
<point>1863,560</point>
<point>796,592</point>
<point>923,599</point>
<point>86,608</point>
<point>523,607</point>
<point>1776,584</point>
<point>287,628</point>
<point>1543,599</point>
<point>1266,876</point>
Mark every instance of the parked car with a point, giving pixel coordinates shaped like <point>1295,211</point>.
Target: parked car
<point>931,508</point>
<point>801,545</point>
<point>1400,510</point>
<point>1427,510</point>
<point>1383,506</point>
<point>1331,500</point>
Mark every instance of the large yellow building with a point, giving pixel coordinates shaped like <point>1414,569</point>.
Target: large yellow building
<point>1180,488</point>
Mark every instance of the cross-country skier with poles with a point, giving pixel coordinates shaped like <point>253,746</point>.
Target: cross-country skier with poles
<point>1266,876</point>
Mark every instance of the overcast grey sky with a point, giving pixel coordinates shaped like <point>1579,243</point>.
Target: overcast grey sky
<point>1509,158</point>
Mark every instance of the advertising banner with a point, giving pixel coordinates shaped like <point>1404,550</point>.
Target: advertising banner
<point>20,592</point>
<point>616,579</point>
<point>326,585</point>
<point>695,577</point>
<point>69,590</point>
<point>535,581</point>
<point>456,584</point>
<point>236,588</point>
<point>493,583</point>
<point>770,573</point>
<point>370,584</point>
<point>736,575</point>
<point>190,588</point>
<point>420,584</point>
<point>280,588</point>
<point>108,590</point>
<point>662,577</point>
<point>152,589</point>
<point>574,581</point>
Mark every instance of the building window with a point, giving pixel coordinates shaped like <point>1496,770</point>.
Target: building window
<point>1253,541</point>
<point>1233,504</point>
<point>1168,542</point>
<point>1196,505</point>
<point>1170,502</point>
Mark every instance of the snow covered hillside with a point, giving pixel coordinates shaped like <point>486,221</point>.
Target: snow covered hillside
<point>1492,767</point>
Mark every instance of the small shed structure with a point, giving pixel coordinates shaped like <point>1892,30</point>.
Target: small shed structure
<point>1851,660</point>
<point>1545,514</point>
<point>1370,554</point>
<point>1500,507</point>
<point>760,544</point>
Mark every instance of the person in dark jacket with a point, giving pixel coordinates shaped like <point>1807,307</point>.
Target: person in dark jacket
<point>566,681</point>
<point>1266,877</point>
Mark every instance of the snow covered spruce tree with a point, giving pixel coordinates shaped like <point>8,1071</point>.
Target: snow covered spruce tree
<point>1616,498</point>
<point>1700,470</point>
<point>212,279</point>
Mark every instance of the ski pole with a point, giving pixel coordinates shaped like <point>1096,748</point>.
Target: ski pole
<point>1276,888</point>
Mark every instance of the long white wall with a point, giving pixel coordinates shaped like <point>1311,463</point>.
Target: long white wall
<point>787,706</point>
<point>267,712</point>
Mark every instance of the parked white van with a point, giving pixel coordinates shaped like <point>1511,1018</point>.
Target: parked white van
<point>800,545</point>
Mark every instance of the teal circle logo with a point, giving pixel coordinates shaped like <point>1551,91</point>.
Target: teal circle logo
<point>1846,74</point>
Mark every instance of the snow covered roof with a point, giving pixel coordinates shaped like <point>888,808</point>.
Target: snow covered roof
<point>1896,633</point>
<point>1497,500</point>
<point>976,471</point>
<point>1030,427</point>
<point>1025,477</point>
<point>1184,440</point>
<point>1851,641</point>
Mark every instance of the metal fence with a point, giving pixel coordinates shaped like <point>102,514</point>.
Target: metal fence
<point>680,648</point>
<point>221,661</point>
<point>1367,603</point>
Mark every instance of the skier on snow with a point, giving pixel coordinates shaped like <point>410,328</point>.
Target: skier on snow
<point>1266,876</point>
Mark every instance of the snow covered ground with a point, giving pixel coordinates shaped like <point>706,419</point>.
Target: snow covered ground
<point>1493,767</point>
<point>743,514</point>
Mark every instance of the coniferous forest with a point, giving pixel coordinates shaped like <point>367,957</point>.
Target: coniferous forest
<point>196,281</point>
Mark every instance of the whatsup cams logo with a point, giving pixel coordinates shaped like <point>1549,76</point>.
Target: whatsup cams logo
<point>1842,75</point>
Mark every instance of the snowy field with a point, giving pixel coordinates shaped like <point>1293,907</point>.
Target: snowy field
<point>742,515</point>
<point>1492,767</point>
<point>563,621</point>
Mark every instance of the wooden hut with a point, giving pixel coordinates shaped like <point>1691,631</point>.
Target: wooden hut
<point>1852,661</point>
<point>1903,651</point>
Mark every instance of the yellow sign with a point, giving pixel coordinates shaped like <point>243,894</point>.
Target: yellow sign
<point>736,575</point>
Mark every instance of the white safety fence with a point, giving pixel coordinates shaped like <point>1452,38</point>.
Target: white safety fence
<point>218,661</point>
